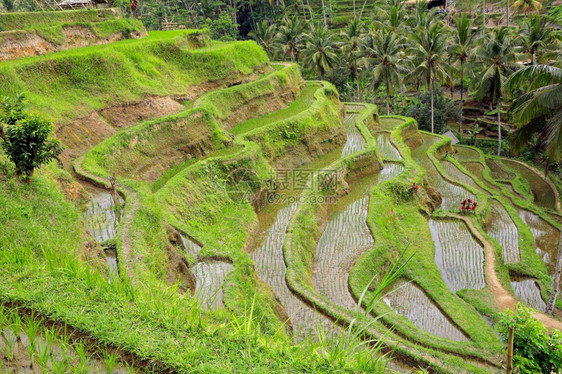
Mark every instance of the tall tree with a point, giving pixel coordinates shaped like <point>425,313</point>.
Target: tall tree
<point>384,56</point>
<point>536,34</point>
<point>351,46</point>
<point>320,50</point>
<point>462,50</point>
<point>429,44</point>
<point>527,5</point>
<point>290,36</point>
<point>264,34</point>
<point>497,58</point>
<point>538,111</point>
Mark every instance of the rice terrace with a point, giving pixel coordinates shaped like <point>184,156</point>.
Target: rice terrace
<point>280,186</point>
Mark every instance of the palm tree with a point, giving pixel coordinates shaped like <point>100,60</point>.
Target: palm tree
<point>536,34</point>
<point>264,34</point>
<point>527,5</point>
<point>539,109</point>
<point>351,45</point>
<point>497,57</point>
<point>320,51</point>
<point>384,56</point>
<point>429,45</point>
<point>462,50</point>
<point>289,36</point>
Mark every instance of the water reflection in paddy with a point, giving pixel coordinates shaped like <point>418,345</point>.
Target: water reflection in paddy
<point>410,301</point>
<point>457,255</point>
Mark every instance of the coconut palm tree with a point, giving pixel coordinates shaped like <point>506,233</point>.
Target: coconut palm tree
<point>289,37</point>
<point>264,35</point>
<point>497,58</point>
<point>428,48</point>
<point>384,56</point>
<point>462,50</point>
<point>527,5</point>
<point>538,111</point>
<point>536,34</point>
<point>351,46</point>
<point>320,50</point>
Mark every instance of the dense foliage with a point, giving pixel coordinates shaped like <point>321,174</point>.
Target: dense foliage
<point>535,351</point>
<point>26,137</point>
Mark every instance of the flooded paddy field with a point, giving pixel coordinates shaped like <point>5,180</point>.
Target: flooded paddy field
<point>546,237</point>
<point>498,171</point>
<point>210,276</point>
<point>345,238</point>
<point>411,301</point>
<point>528,291</point>
<point>457,255</point>
<point>452,194</point>
<point>504,231</point>
<point>542,192</point>
<point>387,150</point>
<point>103,214</point>
<point>29,345</point>
<point>466,154</point>
<point>459,176</point>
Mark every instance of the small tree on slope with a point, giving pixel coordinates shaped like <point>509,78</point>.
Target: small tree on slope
<point>26,137</point>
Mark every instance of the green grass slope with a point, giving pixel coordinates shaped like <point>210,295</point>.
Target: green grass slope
<point>71,84</point>
<point>26,20</point>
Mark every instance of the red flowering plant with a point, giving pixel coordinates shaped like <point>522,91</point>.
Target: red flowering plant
<point>468,206</point>
<point>415,187</point>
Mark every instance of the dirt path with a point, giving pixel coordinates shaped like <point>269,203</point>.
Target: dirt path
<point>502,298</point>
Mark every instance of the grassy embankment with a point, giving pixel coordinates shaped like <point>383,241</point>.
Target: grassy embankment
<point>30,20</point>
<point>42,270</point>
<point>531,264</point>
<point>72,84</point>
<point>57,37</point>
<point>300,246</point>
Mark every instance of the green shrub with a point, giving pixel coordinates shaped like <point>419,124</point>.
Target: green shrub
<point>26,137</point>
<point>534,351</point>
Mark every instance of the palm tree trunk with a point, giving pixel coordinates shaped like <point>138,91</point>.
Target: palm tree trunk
<point>362,9</point>
<point>387,95</point>
<point>484,13</point>
<point>462,103</point>
<point>354,13</point>
<point>432,115</point>
<point>546,167</point>
<point>498,107</point>
<point>507,12</point>
<point>324,12</point>
<point>555,279</point>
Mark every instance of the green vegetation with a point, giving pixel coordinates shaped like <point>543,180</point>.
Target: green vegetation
<point>223,123</point>
<point>71,84</point>
<point>26,137</point>
<point>24,20</point>
<point>535,351</point>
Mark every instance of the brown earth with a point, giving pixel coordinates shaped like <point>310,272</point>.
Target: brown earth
<point>125,114</point>
<point>20,43</point>
<point>81,135</point>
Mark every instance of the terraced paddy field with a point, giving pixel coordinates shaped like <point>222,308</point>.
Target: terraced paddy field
<point>217,213</point>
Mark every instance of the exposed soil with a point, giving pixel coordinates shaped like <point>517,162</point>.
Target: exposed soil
<point>20,43</point>
<point>125,114</point>
<point>81,135</point>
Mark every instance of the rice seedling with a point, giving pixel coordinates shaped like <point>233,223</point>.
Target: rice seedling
<point>110,361</point>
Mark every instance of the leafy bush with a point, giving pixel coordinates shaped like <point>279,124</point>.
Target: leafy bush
<point>534,351</point>
<point>26,137</point>
<point>444,109</point>
<point>222,28</point>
